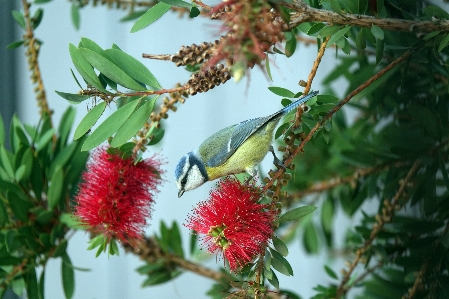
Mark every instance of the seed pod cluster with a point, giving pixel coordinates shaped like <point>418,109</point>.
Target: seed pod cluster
<point>218,14</point>
<point>269,30</point>
<point>202,81</point>
<point>194,54</point>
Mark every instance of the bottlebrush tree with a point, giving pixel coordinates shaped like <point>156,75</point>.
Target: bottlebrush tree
<point>392,53</point>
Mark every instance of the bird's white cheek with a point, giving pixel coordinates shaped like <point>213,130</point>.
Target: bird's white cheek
<point>195,179</point>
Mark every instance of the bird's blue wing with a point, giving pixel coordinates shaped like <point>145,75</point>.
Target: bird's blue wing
<point>240,134</point>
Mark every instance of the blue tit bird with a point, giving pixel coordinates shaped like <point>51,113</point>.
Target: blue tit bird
<point>234,149</point>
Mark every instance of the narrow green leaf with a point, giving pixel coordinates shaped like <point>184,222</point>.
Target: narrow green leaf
<point>330,272</point>
<point>55,189</point>
<point>134,124</point>
<point>91,45</point>
<point>315,28</point>
<point>73,98</point>
<point>280,91</point>
<point>42,284</point>
<point>337,36</point>
<point>444,42</point>
<point>89,120</point>
<point>329,30</point>
<point>133,67</point>
<point>3,214</point>
<point>110,70</point>
<point>360,41</point>
<point>76,80</point>
<point>178,3</point>
<point>377,32</point>
<point>274,281</point>
<point>297,213</point>
<point>66,124</point>
<point>109,126</point>
<point>84,68</point>
<point>6,162</point>
<point>435,11</point>
<point>327,99</point>
<point>71,221</point>
<point>37,17</point>
<point>290,46</point>
<point>267,67</point>
<point>20,19</point>
<point>15,44</point>
<point>175,240</point>
<point>68,277</point>
<point>18,286</point>
<point>310,238</point>
<point>75,12</point>
<point>280,246</point>
<point>379,50</point>
<point>44,139</point>
<point>193,239</point>
<point>150,16</point>
<point>280,264</point>
<point>157,136</point>
<point>31,283</point>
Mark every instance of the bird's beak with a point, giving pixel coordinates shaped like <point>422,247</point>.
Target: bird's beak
<point>180,193</point>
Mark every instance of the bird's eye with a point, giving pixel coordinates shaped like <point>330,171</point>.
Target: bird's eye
<point>184,181</point>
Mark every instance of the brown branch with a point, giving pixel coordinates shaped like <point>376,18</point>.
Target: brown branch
<point>387,214</point>
<point>316,63</point>
<point>305,13</point>
<point>32,54</point>
<point>149,251</point>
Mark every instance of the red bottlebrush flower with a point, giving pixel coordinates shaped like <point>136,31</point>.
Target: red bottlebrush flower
<point>116,195</point>
<point>233,222</point>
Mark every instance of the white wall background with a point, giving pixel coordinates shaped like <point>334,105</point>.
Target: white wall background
<point>200,116</point>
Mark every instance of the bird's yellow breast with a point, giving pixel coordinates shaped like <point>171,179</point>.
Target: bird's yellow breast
<point>248,155</point>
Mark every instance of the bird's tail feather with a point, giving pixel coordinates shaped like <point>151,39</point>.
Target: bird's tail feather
<point>298,102</point>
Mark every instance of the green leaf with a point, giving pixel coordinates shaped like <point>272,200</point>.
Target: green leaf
<point>327,99</point>
<point>330,272</point>
<point>315,28</point>
<point>338,35</point>
<point>178,3</point>
<point>267,67</point>
<point>444,42</point>
<point>134,124</point>
<point>329,30</point>
<point>71,221</point>
<point>3,214</point>
<point>20,19</point>
<point>18,286</point>
<point>274,281</point>
<point>133,67</point>
<point>290,45</point>
<point>73,98</point>
<point>377,32</point>
<point>85,69</point>
<point>43,140</point>
<point>280,246</point>
<point>280,264</point>
<point>280,91</point>
<point>133,16</point>
<point>31,282</point>
<point>297,213</point>
<point>15,44</point>
<point>310,236</point>
<point>379,50</point>
<point>89,120</point>
<point>194,12</point>
<point>65,125</point>
<point>75,12</point>
<point>360,41</point>
<point>436,11</point>
<point>6,162</point>
<point>157,136</point>
<point>150,16</point>
<point>55,189</point>
<point>110,70</point>
<point>37,18</point>
<point>175,240</point>
<point>42,284</point>
<point>109,126</point>
<point>68,277</point>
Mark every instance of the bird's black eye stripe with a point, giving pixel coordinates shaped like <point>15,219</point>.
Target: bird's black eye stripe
<point>184,181</point>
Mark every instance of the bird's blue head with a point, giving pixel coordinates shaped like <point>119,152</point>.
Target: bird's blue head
<point>190,173</point>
